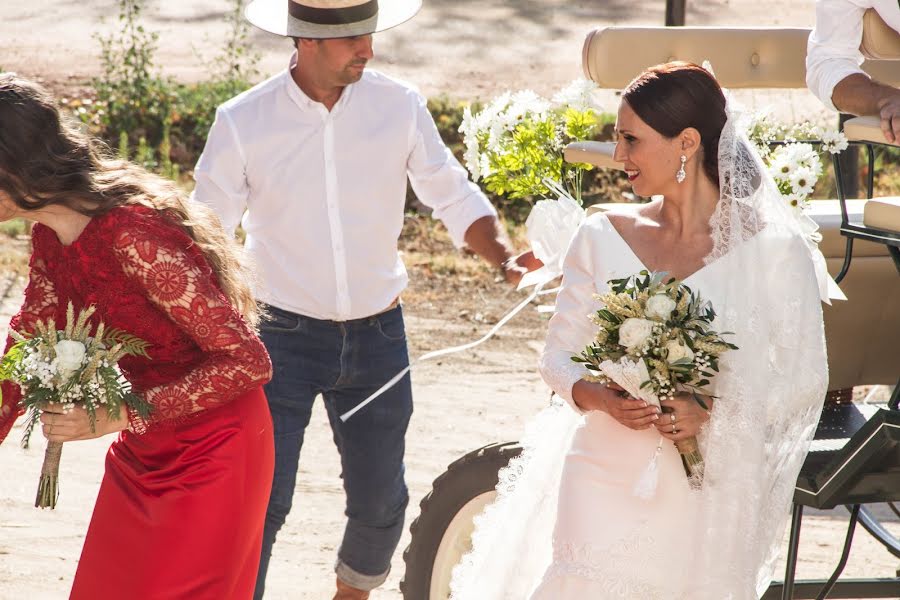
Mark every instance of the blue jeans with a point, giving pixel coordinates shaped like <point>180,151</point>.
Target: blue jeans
<point>345,362</point>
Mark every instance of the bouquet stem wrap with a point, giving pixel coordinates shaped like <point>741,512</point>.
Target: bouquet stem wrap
<point>48,486</point>
<point>692,461</point>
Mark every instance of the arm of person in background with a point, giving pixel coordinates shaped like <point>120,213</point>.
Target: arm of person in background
<point>833,70</point>
<point>40,305</point>
<point>485,238</point>
<point>220,175</point>
<point>443,184</point>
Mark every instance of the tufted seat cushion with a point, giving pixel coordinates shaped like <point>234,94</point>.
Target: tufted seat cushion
<point>883,213</point>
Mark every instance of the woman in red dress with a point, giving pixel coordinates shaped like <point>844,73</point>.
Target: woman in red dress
<point>181,507</point>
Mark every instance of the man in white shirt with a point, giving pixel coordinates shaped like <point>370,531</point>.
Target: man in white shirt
<point>318,157</point>
<point>833,62</point>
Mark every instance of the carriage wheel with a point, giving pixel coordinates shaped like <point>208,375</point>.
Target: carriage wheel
<point>442,533</point>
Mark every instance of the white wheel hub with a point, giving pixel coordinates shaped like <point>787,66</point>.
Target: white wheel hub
<point>457,541</point>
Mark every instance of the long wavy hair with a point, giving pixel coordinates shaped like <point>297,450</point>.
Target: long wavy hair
<point>46,160</point>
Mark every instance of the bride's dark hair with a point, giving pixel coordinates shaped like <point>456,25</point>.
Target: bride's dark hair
<point>674,96</point>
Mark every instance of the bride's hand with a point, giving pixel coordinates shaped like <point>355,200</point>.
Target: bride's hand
<point>60,426</point>
<point>613,400</point>
<point>684,415</point>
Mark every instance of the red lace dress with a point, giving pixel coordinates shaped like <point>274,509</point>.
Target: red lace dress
<point>182,504</point>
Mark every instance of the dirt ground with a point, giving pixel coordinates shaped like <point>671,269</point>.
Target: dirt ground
<point>465,48</point>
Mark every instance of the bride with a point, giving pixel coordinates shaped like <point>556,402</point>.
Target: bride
<point>567,524</point>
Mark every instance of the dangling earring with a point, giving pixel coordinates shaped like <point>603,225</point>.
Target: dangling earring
<point>680,175</point>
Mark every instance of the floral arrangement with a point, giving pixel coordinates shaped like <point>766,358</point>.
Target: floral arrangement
<point>654,339</point>
<point>791,156</point>
<point>70,367</point>
<point>515,144</point>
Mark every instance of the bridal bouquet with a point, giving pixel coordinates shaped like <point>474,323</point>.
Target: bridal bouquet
<point>654,339</point>
<point>791,157</point>
<point>70,367</point>
<point>515,144</point>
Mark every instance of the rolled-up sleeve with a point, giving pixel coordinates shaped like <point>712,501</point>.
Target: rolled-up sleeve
<point>439,181</point>
<point>220,175</point>
<point>832,52</point>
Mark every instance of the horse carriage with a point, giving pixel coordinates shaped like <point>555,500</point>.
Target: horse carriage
<point>855,457</point>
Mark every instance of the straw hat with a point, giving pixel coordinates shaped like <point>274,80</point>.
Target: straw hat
<point>320,19</point>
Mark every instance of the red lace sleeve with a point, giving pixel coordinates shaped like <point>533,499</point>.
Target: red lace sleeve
<point>40,305</point>
<point>180,282</point>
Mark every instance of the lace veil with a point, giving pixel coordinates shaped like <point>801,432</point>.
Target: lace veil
<point>771,392</point>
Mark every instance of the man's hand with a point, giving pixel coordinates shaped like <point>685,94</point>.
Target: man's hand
<point>485,238</point>
<point>858,95</point>
<point>515,267</point>
<point>889,111</point>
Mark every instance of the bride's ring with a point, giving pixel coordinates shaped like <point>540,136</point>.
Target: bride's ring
<point>673,429</point>
<point>672,416</point>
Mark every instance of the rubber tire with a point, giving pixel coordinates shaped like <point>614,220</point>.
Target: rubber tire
<point>466,478</point>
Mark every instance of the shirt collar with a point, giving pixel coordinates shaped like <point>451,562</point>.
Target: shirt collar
<point>305,102</point>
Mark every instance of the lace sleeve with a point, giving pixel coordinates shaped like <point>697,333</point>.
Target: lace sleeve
<point>181,284</point>
<point>39,305</point>
<point>570,329</point>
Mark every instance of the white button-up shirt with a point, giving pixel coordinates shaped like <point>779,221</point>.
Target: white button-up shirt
<point>324,192</point>
<point>832,52</point>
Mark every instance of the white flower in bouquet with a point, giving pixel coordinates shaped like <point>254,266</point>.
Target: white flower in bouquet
<point>515,143</point>
<point>579,94</point>
<point>69,357</point>
<point>795,165</point>
<point>70,367</point>
<point>833,141</point>
<point>676,351</point>
<point>797,202</point>
<point>780,163</point>
<point>802,181</point>
<point>678,354</point>
<point>660,307</point>
<point>634,332</point>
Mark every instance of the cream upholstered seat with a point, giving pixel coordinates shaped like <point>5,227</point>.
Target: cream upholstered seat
<point>879,40</point>
<point>594,153</point>
<point>864,129</point>
<point>883,213</point>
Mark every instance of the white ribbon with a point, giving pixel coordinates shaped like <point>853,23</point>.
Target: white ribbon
<point>538,291</point>
<point>550,228</point>
<point>828,287</point>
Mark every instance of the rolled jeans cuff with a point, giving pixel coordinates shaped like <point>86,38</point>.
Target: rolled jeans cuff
<point>355,579</point>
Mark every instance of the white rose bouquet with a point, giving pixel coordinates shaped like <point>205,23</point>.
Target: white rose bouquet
<point>655,338</point>
<point>70,367</point>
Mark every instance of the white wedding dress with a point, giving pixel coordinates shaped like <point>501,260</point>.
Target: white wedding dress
<point>567,525</point>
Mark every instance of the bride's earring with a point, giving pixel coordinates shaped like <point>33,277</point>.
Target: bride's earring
<point>680,175</point>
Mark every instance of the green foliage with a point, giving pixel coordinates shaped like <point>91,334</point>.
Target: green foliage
<point>14,227</point>
<point>131,97</point>
<point>151,119</point>
<point>515,158</point>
